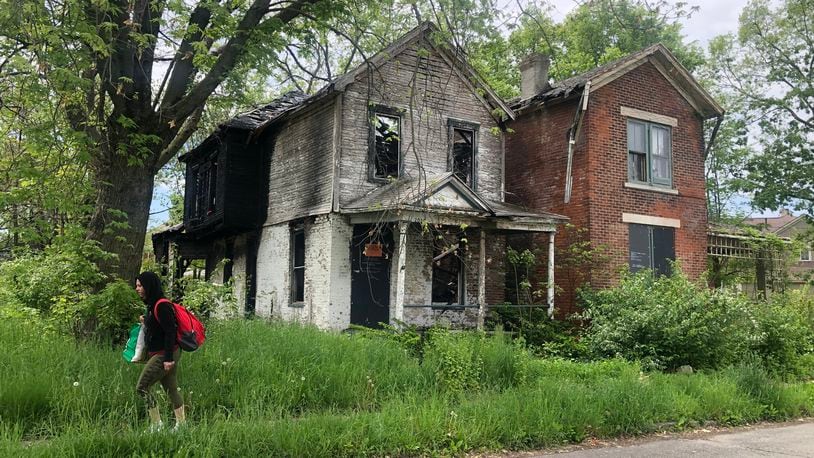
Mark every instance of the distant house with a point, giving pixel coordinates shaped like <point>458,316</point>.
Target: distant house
<point>379,199</point>
<point>801,271</point>
<point>620,150</point>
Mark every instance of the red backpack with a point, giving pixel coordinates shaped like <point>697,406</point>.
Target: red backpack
<point>190,333</point>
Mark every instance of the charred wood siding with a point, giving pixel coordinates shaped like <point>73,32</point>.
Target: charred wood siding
<point>238,185</point>
<point>301,168</point>
<point>421,84</point>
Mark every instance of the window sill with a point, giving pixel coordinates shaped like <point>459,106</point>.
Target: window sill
<point>297,305</point>
<point>647,187</point>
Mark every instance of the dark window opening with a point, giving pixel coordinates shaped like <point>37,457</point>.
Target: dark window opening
<point>651,247</point>
<point>298,266</point>
<point>649,153</point>
<point>205,190</point>
<point>386,146</point>
<point>463,154</point>
<point>447,276</point>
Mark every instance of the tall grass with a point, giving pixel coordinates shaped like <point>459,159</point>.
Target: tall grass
<point>260,388</point>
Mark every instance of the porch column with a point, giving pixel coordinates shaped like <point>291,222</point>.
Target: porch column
<point>398,313</point>
<point>482,280</point>
<point>551,274</point>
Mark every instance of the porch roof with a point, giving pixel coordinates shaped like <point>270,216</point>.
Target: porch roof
<point>445,199</point>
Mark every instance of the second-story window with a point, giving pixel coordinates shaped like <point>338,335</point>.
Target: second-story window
<point>206,179</point>
<point>463,151</point>
<point>649,153</point>
<point>385,154</point>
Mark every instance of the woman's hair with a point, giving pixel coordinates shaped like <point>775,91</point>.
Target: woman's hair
<point>152,287</point>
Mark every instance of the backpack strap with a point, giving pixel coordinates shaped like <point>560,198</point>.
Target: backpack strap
<point>155,309</point>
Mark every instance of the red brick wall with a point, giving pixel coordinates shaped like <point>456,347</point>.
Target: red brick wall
<point>536,165</point>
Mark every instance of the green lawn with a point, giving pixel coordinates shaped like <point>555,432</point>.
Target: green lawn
<point>272,389</point>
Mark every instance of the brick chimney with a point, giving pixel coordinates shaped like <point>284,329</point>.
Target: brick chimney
<point>534,75</point>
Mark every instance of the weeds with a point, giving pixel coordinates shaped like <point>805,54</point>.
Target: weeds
<point>275,389</point>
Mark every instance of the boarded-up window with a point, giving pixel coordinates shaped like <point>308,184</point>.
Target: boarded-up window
<point>386,148</point>
<point>649,153</point>
<point>651,247</point>
<point>447,276</point>
<point>297,265</point>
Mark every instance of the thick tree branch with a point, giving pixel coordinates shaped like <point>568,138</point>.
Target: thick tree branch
<point>183,70</point>
<point>183,134</point>
<point>232,51</point>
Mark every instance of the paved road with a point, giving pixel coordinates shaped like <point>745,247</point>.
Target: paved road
<point>786,440</point>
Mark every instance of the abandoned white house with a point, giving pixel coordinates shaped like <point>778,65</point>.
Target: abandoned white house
<point>378,199</point>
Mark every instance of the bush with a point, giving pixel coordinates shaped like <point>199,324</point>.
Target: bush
<point>105,316</point>
<point>61,273</point>
<point>666,322</point>
<point>543,336</point>
<point>783,334</point>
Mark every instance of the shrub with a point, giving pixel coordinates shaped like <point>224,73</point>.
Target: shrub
<point>666,322</point>
<point>106,315</point>
<point>783,335</point>
<point>206,298</point>
<point>62,272</point>
<point>543,336</point>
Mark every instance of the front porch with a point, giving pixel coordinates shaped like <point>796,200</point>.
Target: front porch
<point>447,249</point>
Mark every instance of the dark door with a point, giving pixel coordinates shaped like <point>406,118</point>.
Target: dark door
<point>371,252</point>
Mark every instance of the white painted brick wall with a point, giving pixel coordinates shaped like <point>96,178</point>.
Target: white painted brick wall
<point>327,273</point>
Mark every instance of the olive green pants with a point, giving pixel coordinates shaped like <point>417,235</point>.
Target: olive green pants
<point>154,372</point>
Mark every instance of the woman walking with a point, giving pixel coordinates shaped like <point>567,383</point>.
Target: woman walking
<point>159,336</point>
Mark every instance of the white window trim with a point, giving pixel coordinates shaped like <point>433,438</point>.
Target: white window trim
<point>648,187</point>
<point>648,116</point>
<point>651,220</point>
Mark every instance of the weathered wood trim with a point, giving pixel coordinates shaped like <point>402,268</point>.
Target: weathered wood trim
<point>453,124</point>
<point>337,149</point>
<point>373,110</point>
<point>482,281</point>
<point>401,273</point>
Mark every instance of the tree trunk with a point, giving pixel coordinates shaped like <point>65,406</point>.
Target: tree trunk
<point>119,221</point>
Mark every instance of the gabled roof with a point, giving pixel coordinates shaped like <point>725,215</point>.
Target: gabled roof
<point>657,54</point>
<point>258,119</point>
<point>451,54</point>
<point>444,192</point>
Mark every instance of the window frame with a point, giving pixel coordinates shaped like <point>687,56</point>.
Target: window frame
<point>458,124</point>
<point>649,126</point>
<point>655,266</point>
<point>461,292</point>
<point>807,252</point>
<point>293,300</point>
<point>383,110</point>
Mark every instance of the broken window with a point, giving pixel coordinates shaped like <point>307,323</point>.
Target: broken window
<point>205,189</point>
<point>649,153</point>
<point>386,145</point>
<point>447,276</point>
<point>297,265</point>
<point>463,151</point>
<point>651,247</point>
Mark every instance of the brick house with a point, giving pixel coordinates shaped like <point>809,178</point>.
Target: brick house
<point>620,151</point>
<point>378,199</point>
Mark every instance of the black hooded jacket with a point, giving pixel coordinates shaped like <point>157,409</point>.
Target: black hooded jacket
<point>160,331</point>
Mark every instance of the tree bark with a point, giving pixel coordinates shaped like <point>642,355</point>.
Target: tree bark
<point>119,220</point>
